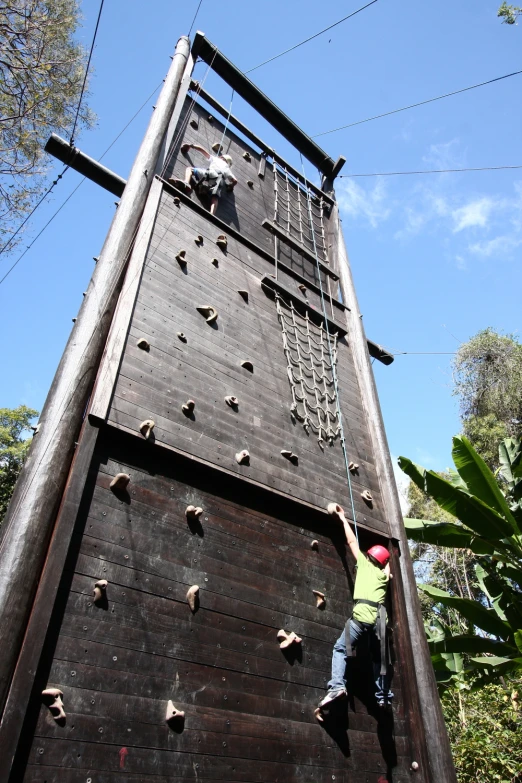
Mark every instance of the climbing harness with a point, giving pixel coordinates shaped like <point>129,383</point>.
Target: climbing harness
<point>380,630</point>
<point>307,348</point>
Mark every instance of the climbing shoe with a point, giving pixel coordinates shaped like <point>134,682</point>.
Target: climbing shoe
<point>332,696</point>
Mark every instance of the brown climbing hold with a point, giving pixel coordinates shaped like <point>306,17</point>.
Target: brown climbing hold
<point>334,509</point>
<point>320,599</point>
<point>319,715</point>
<point>243,293</point>
<point>215,261</point>
<point>146,428</point>
<point>231,401</point>
<point>181,258</point>
<point>287,639</point>
<point>290,456</point>
<point>173,716</point>
<point>218,148</point>
<point>209,312</point>
<point>243,457</point>
<point>193,598</point>
<point>182,336</point>
<point>119,481</point>
<point>353,467</point>
<point>367,497</point>
<point>210,118</point>
<point>198,240</point>
<point>193,512</point>
<point>247,156</point>
<point>194,124</point>
<point>143,344</point>
<point>222,241</point>
<point>247,364</point>
<point>52,697</point>
<point>302,288</point>
<point>188,408</point>
<point>177,201</point>
<point>100,588</point>
<point>250,183</point>
<point>314,544</point>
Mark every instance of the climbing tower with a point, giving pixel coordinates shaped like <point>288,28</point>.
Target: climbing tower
<point>172,616</point>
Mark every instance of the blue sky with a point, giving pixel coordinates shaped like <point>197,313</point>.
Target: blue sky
<point>435,257</point>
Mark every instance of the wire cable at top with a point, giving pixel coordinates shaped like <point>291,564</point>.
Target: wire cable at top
<point>311,38</point>
<point>427,171</point>
<point>414,105</point>
<point>71,141</point>
<point>195,17</point>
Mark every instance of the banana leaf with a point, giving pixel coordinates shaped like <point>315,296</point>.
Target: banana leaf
<point>499,665</point>
<point>415,472</point>
<point>472,645</point>
<point>473,611</point>
<point>479,480</point>
<point>446,534</point>
<point>492,588</point>
<point>510,458</point>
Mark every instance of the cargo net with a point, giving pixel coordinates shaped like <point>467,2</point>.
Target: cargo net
<point>310,372</point>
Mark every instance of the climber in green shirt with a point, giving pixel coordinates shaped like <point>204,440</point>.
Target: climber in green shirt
<point>368,618</point>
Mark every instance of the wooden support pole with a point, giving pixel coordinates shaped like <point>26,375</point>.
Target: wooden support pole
<point>434,730</point>
<point>31,515</point>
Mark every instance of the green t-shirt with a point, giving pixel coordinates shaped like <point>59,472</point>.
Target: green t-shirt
<point>371,584</point>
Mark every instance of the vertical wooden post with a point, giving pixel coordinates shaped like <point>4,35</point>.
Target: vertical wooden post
<point>32,512</point>
<point>437,742</point>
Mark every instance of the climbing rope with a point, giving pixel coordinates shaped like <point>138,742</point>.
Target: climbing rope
<point>332,362</point>
<point>226,124</point>
<point>310,374</point>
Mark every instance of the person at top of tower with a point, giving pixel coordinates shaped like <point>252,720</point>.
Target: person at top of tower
<point>210,181</point>
<point>368,621</point>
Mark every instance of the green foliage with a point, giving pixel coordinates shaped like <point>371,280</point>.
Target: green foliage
<point>485,518</point>
<point>509,13</point>
<point>488,382</point>
<point>41,74</point>
<point>484,729</point>
<point>14,423</point>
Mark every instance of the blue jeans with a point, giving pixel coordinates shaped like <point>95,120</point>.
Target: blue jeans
<point>339,661</point>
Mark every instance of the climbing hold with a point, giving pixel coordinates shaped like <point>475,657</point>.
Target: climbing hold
<point>210,118</point>
<point>193,512</point>
<point>143,344</point>
<point>52,697</point>
<point>367,497</point>
<point>250,183</point>
<point>320,599</point>
<point>287,639</point>
<point>231,401</point>
<point>182,337</point>
<point>119,481</point>
<point>353,467</point>
<point>96,259</point>
<point>290,456</point>
<point>243,457</point>
<point>334,509</point>
<point>215,261</point>
<point>173,716</point>
<point>188,408</point>
<point>146,428</point>
<point>314,544</point>
<point>74,320</point>
<point>198,240</point>
<point>209,312</point>
<point>181,258</point>
<point>414,765</point>
<point>222,241</point>
<point>193,598</point>
<point>302,288</point>
<point>247,156</point>
<point>99,590</point>
<point>194,124</point>
<point>247,365</point>
<point>36,428</point>
<point>177,201</point>
<point>243,293</point>
<point>218,148</point>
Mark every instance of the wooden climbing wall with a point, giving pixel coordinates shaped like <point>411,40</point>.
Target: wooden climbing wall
<point>248,705</point>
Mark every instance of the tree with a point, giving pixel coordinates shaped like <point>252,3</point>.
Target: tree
<point>41,75</point>
<point>509,13</point>
<point>14,423</point>
<point>487,372</point>
<point>486,521</point>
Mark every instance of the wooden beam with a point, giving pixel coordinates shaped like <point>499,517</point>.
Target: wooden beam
<point>261,103</point>
<point>90,168</point>
<point>281,234</point>
<point>271,286</point>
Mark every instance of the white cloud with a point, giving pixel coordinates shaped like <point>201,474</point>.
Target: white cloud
<point>445,156</point>
<point>461,263</point>
<point>501,245</point>
<point>370,204</point>
<point>476,213</point>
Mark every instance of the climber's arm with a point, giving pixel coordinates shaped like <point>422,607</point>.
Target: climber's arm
<point>350,538</point>
<point>186,147</point>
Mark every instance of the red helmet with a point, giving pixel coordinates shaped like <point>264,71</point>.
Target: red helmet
<point>379,553</point>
